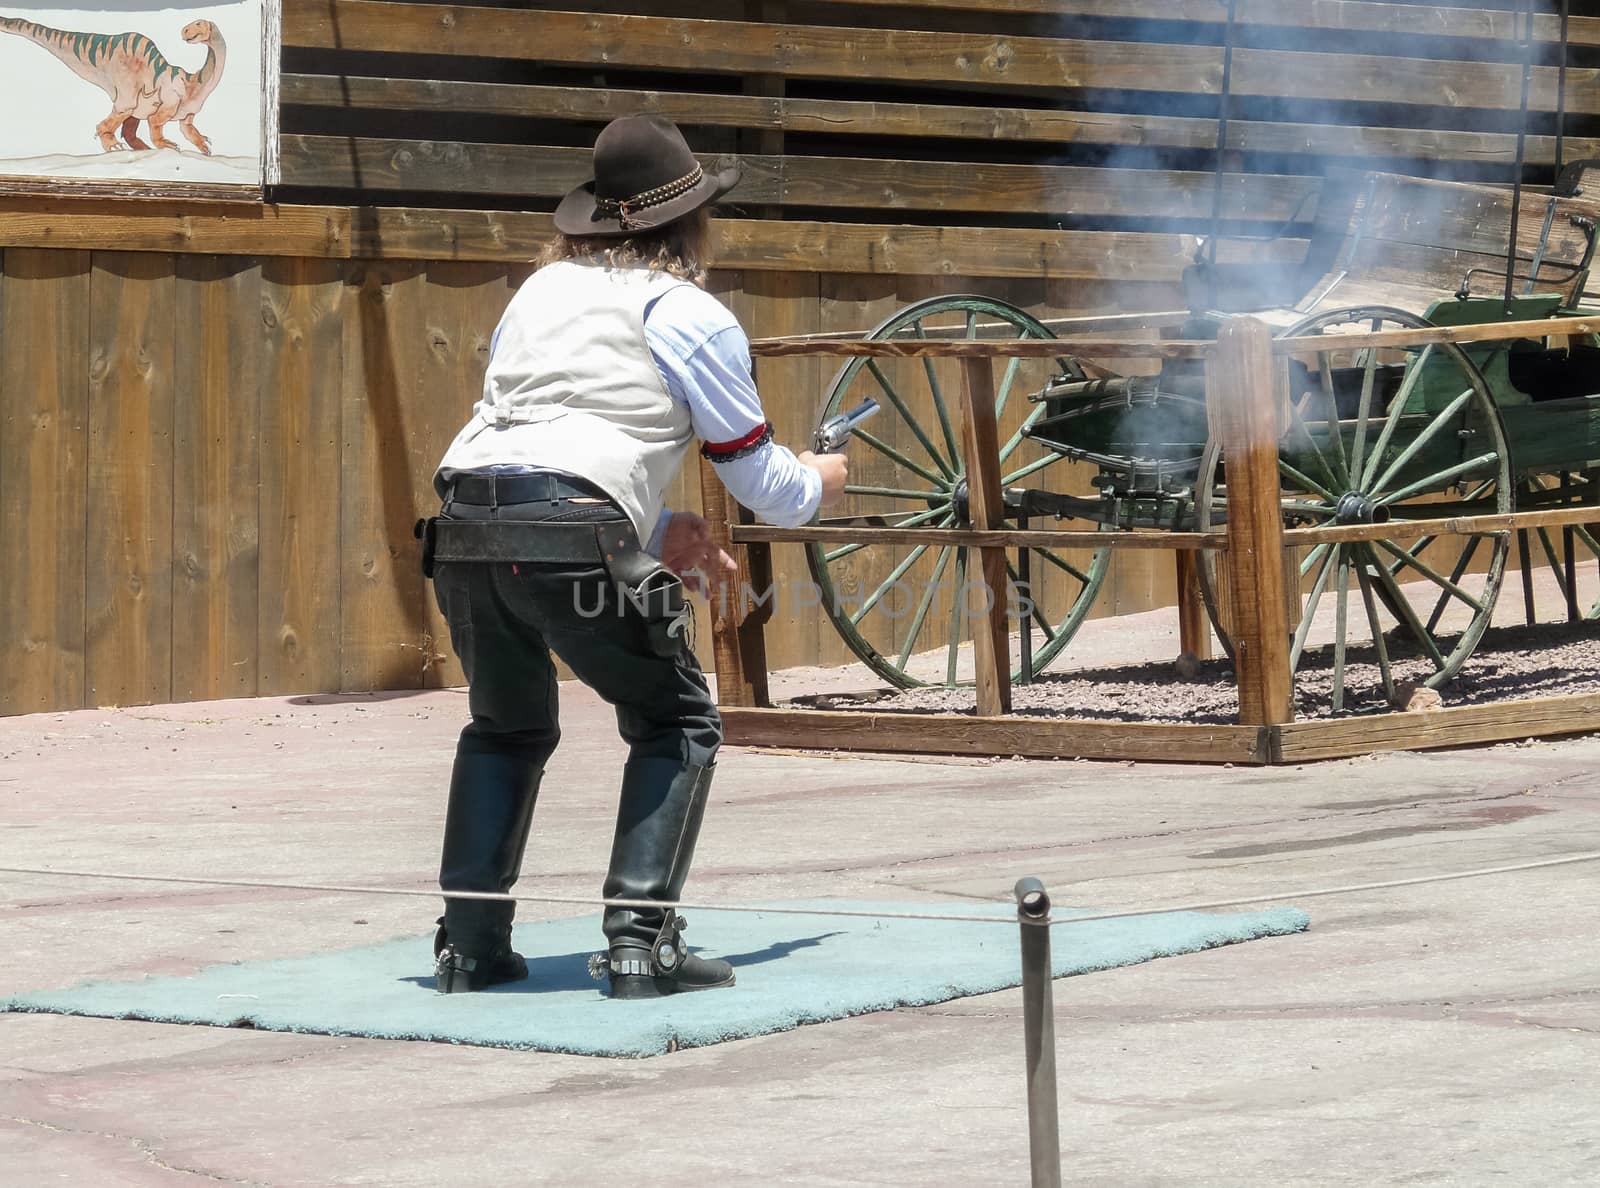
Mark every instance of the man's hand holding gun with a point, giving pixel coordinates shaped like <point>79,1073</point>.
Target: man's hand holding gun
<point>826,456</point>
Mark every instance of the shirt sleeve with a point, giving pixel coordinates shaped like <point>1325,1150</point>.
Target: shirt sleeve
<point>704,358</point>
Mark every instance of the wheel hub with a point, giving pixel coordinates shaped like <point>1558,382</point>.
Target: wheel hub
<point>961,504</point>
<point>1357,508</point>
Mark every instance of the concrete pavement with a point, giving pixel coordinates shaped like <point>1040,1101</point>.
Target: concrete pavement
<point>1444,1034</point>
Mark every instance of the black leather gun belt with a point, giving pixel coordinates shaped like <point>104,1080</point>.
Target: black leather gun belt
<point>611,543</point>
<point>530,541</point>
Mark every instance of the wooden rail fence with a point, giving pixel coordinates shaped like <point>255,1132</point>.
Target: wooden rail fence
<point>1245,402</point>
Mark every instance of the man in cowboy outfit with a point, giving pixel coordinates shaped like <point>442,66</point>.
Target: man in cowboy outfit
<point>608,362</point>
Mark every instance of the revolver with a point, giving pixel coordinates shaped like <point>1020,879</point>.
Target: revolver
<point>835,431</point>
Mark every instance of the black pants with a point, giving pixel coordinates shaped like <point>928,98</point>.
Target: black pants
<point>505,621</point>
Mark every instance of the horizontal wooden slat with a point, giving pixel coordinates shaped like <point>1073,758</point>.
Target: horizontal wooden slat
<point>1061,327</point>
<point>553,37</point>
<point>1396,530</point>
<point>173,227</point>
<point>964,252</point>
<point>1526,521</point>
<point>975,539</point>
<point>933,120</point>
<point>1398,339</point>
<point>962,734</point>
<point>1421,20</point>
<point>963,348</point>
<point>372,164</point>
<point>883,55</point>
<point>1071,190</point>
<point>420,234</point>
<point>1543,717</point>
<point>1472,218</point>
<point>510,99</point>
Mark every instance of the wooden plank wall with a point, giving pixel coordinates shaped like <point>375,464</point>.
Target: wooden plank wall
<point>1098,114</point>
<point>224,421</point>
<point>210,465</point>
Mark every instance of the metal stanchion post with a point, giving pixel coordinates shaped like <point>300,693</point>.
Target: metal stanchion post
<point>1039,1034</point>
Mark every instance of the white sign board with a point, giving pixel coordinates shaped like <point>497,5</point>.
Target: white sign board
<point>137,97</point>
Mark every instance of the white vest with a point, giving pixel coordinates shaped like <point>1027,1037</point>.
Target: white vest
<point>572,387</point>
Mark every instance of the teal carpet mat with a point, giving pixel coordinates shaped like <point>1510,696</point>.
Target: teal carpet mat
<point>792,970</point>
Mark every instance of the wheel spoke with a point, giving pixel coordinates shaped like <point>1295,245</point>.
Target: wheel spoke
<point>1317,587</point>
<point>1368,384</point>
<point>1414,446</point>
<point>890,452</point>
<point>1378,641</point>
<point>941,497</point>
<point>1031,468</point>
<point>911,422</point>
<point>1415,550</point>
<point>1525,567</point>
<point>1311,558</point>
<point>1335,429</point>
<point>1549,548</point>
<point>923,607</point>
<point>929,366</point>
<point>909,522</point>
<point>955,617</point>
<point>889,583</point>
<point>1402,610</point>
<point>1448,585</point>
<point>1455,576</point>
<point>1307,482</point>
<point>1340,624</point>
<point>1037,615</point>
<point>1061,563</point>
<point>1589,541</point>
<point>1016,438</point>
<point>1329,475</point>
<point>1392,421</point>
<point>1006,382</point>
<point>1440,480</point>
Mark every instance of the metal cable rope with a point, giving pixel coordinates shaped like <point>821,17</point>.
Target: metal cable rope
<point>684,905</point>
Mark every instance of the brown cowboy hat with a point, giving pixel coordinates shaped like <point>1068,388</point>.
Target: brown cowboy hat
<point>644,177</point>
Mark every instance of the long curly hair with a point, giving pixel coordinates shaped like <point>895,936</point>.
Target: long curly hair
<point>681,248</point>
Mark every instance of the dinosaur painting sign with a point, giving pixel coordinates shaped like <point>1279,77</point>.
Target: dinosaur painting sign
<point>138,97</point>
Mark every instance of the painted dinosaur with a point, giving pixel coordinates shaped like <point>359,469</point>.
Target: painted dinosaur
<point>142,84</point>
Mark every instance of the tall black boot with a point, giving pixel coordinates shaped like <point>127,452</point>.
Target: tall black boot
<point>492,794</point>
<point>658,823</point>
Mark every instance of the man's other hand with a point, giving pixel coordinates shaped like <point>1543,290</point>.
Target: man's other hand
<point>689,551</point>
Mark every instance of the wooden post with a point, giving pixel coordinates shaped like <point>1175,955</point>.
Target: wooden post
<point>1194,628</point>
<point>738,640</point>
<point>1243,402</point>
<point>980,441</point>
<point>756,566</point>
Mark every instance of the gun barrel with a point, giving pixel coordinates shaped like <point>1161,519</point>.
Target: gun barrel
<point>867,408</point>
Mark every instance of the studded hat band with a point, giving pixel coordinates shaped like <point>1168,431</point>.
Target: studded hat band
<point>623,209</point>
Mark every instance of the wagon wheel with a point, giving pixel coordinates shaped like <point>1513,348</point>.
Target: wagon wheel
<point>1575,561</point>
<point>1418,437</point>
<point>906,610</point>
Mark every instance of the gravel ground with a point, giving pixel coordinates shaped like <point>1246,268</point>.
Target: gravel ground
<point>1510,663</point>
